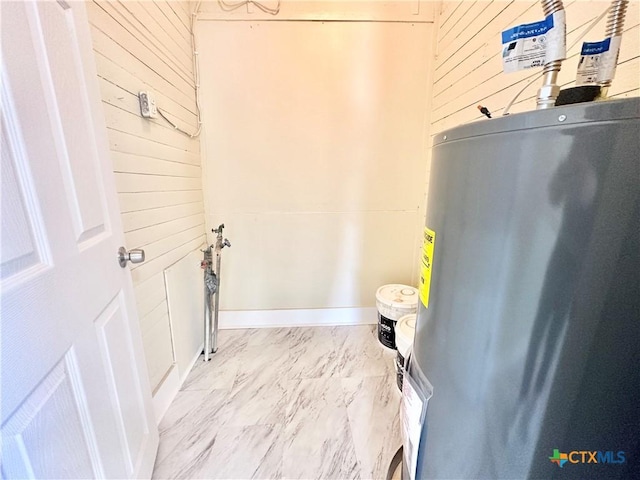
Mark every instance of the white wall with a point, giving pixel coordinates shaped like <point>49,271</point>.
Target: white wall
<point>146,46</point>
<point>185,298</point>
<point>313,154</point>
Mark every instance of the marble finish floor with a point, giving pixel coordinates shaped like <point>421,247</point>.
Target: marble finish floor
<point>285,403</point>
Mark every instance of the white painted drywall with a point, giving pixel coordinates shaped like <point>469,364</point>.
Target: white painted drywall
<point>185,298</point>
<point>314,157</point>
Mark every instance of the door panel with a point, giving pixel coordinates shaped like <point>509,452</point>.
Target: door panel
<point>20,215</point>
<point>53,409</point>
<point>76,400</point>
<point>77,149</point>
<point>117,355</point>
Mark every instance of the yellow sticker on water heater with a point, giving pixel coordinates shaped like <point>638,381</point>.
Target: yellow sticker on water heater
<point>426,262</point>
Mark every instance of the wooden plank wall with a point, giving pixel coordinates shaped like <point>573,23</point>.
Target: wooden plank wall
<point>468,67</point>
<point>147,46</point>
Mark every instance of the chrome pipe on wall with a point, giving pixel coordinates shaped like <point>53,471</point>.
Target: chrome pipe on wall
<point>210,288</point>
<point>212,292</point>
<point>220,244</point>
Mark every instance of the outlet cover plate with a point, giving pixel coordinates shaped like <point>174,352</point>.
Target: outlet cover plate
<point>148,107</point>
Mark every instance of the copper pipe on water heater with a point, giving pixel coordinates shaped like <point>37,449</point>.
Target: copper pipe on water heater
<point>550,89</point>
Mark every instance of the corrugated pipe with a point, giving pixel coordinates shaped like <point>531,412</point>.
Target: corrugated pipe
<point>615,21</point>
<point>615,25</point>
<point>550,89</point>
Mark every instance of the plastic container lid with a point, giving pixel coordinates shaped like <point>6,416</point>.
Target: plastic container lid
<point>395,300</point>
<point>405,331</point>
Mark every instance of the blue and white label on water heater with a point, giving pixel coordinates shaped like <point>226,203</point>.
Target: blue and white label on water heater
<point>534,44</point>
<point>598,61</point>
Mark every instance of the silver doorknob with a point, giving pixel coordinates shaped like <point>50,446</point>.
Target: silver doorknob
<point>134,256</point>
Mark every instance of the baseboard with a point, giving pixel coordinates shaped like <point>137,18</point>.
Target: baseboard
<point>170,387</point>
<point>309,317</point>
<point>192,363</point>
<point>165,394</point>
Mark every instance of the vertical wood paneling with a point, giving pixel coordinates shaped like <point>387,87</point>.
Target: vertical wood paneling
<point>146,46</point>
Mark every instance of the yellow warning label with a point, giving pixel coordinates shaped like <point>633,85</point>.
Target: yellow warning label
<point>426,262</point>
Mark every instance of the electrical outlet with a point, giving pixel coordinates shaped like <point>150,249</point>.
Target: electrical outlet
<point>148,107</point>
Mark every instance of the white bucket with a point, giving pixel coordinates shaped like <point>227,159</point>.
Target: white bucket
<point>405,331</point>
<point>394,301</point>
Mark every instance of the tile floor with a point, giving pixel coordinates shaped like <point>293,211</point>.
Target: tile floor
<point>285,403</point>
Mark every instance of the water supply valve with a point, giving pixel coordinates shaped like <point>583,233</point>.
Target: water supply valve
<point>220,243</point>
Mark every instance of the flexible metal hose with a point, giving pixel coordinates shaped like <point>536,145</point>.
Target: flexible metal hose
<point>615,21</point>
<point>615,25</point>
<point>549,91</point>
<point>551,6</point>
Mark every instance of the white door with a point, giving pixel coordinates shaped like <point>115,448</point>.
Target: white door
<point>76,400</point>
